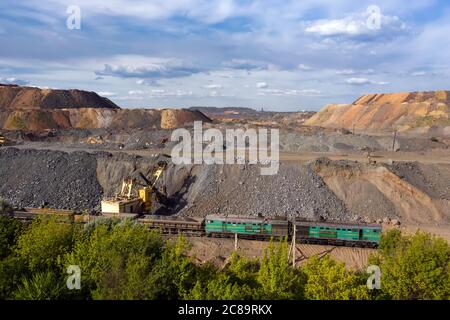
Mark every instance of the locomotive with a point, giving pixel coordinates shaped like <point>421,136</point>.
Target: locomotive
<point>253,228</point>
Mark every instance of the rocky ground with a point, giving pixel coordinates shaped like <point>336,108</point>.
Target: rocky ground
<point>34,178</point>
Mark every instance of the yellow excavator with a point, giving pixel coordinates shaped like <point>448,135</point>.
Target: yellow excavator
<point>129,202</point>
<point>146,193</point>
<point>2,141</point>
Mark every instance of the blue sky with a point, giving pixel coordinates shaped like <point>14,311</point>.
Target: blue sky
<point>276,55</point>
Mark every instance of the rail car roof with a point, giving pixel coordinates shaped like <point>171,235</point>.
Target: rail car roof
<point>170,218</point>
<point>337,224</point>
<point>245,219</point>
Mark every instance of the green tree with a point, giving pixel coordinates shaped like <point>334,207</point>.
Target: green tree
<point>12,271</point>
<point>278,280</point>
<point>116,260</point>
<point>43,244</point>
<point>414,267</point>
<point>42,286</point>
<point>236,281</point>
<point>10,230</point>
<point>174,275</point>
<point>328,279</point>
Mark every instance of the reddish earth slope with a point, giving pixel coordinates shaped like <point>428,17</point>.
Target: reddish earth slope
<point>30,108</point>
<point>17,97</point>
<point>416,111</point>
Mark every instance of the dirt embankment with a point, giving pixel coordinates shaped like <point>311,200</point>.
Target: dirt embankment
<point>218,252</point>
<point>418,112</point>
<point>378,192</point>
<point>98,118</point>
<point>26,98</point>
<point>29,108</point>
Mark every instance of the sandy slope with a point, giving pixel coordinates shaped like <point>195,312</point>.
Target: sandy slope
<point>416,111</point>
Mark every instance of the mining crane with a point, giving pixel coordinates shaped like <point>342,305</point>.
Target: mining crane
<point>129,202</point>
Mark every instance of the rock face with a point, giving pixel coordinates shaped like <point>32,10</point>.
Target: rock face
<point>26,108</point>
<point>417,111</point>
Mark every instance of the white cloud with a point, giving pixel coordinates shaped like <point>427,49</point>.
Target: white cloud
<point>147,82</point>
<point>12,80</point>
<point>136,92</point>
<point>357,27</point>
<point>346,72</point>
<point>131,66</point>
<point>363,81</point>
<point>244,64</point>
<point>304,67</point>
<point>212,86</point>
<point>349,72</point>
<point>262,85</point>
<point>358,81</point>
<point>423,73</point>
<point>159,93</point>
<point>106,93</point>
<point>289,92</point>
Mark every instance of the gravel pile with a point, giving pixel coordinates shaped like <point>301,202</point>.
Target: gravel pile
<point>432,179</point>
<point>35,178</point>
<point>296,191</point>
<point>78,180</point>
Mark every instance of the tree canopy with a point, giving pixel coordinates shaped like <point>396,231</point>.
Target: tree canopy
<point>124,260</point>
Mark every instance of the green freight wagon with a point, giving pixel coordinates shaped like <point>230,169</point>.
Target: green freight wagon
<point>246,227</point>
<point>348,234</point>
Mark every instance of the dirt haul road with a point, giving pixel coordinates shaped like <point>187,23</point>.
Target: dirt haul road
<point>436,156</point>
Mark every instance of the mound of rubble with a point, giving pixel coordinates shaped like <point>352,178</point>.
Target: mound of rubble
<point>409,111</point>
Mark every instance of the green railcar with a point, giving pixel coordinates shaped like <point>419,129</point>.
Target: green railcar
<point>246,226</point>
<point>337,233</point>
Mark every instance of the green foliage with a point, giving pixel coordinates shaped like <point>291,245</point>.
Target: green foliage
<point>235,282</point>
<point>42,286</point>
<point>12,271</point>
<point>44,243</point>
<point>123,260</point>
<point>174,274</point>
<point>414,267</point>
<point>115,260</point>
<point>276,277</point>
<point>329,280</point>
<point>10,230</point>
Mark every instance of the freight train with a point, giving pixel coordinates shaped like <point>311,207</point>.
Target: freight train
<point>252,228</point>
<point>331,233</point>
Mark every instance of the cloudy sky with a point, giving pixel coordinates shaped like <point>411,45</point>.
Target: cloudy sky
<point>276,55</point>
